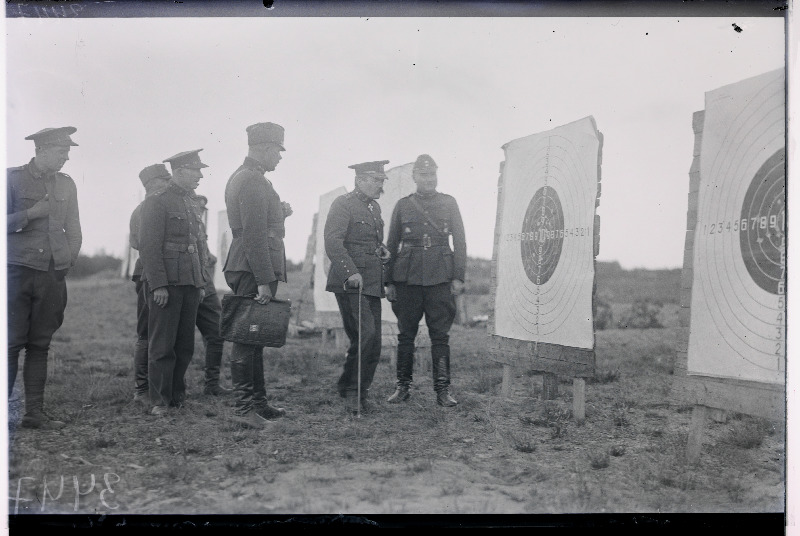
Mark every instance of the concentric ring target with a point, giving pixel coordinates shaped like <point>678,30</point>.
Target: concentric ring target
<point>763,243</point>
<point>541,243</point>
<point>738,319</point>
<point>545,246</point>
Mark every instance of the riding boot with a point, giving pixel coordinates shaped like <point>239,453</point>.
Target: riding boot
<point>212,370</point>
<point>242,358</point>
<point>141,388</point>
<point>405,367</point>
<point>34,375</point>
<point>440,363</point>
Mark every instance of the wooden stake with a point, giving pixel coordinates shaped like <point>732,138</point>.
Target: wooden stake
<point>696,431</point>
<point>579,399</point>
<point>461,311</point>
<point>508,379</point>
<point>549,386</point>
<point>340,338</point>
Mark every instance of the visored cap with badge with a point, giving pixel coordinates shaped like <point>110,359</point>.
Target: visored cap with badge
<point>265,133</point>
<point>155,171</point>
<point>53,136</point>
<point>371,169</point>
<point>425,164</point>
<point>186,159</point>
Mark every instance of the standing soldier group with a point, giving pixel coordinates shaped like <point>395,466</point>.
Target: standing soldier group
<point>420,270</point>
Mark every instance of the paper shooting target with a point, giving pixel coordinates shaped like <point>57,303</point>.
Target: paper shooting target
<point>545,246</point>
<point>739,262</point>
<point>543,217</point>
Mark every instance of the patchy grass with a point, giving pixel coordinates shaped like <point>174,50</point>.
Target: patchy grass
<point>487,455</point>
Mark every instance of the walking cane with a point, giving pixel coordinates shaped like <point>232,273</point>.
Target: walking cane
<point>358,410</point>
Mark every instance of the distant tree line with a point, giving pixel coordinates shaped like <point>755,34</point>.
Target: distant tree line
<point>95,264</point>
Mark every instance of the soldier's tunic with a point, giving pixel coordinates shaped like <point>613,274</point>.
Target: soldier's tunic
<point>171,259</point>
<point>256,257</point>
<point>209,311</point>
<point>421,268</point>
<point>353,233</point>
<point>140,361</point>
<point>39,253</point>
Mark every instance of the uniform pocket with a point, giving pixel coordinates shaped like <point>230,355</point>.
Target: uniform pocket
<point>401,264</point>
<point>177,224</point>
<point>172,266</point>
<point>447,263</point>
<point>26,198</point>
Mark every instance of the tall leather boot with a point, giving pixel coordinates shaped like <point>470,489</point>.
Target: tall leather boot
<point>141,388</point>
<point>405,367</point>
<point>440,363</point>
<point>212,369</point>
<point>242,376</point>
<point>34,375</point>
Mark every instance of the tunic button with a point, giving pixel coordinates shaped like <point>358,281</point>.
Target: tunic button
<point>190,249</point>
<point>41,251</point>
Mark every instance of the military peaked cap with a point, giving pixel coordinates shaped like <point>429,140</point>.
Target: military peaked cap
<point>370,169</point>
<point>53,136</point>
<point>265,133</point>
<point>156,171</point>
<point>425,164</point>
<point>186,159</point>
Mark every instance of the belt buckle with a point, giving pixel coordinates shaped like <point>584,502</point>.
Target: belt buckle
<point>426,241</point>
<point>190,249</point>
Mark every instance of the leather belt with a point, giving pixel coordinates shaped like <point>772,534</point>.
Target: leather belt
<point>425,242</point>
<point>174,246</point>
<point>237,233</point>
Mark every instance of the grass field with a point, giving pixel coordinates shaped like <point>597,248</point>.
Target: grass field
<point>489,455</point>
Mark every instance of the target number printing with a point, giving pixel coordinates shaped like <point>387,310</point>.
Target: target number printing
<point>545,250</point>
<point>738,302</point>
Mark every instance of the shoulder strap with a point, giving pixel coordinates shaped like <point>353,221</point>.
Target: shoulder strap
<point>425,214</point>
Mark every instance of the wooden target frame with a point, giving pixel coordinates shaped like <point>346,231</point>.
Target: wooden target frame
<point>551,359</point>
<point>705,392</point>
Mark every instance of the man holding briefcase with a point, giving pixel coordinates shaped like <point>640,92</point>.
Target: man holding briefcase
<point>256,260</point>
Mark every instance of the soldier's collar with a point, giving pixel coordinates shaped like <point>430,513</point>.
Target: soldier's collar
<point>252,163</point>
<point>362,197</point>
<point>426,195</point>
<point>175,188</point>
<point>34,169</point>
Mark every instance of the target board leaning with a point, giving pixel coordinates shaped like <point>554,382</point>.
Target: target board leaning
<point>732,343</point>
<point>546,241</point>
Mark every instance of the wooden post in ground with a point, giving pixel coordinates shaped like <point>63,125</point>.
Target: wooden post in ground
<point>579,399</point>
<point>549,386</point>
<point>461,310</point>
<point>696,431</point>
<point>508,379</point>
<point>341,338</point>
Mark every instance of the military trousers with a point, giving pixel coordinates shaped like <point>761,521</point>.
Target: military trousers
<point>370,328</point>
<point>36,300</point>
<point>438,305</point>
<point>170,332</point>
<point>140,362</point>
<point>247,362</point>
<point>208,316</point>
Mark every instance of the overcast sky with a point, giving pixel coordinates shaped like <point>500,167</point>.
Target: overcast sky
<point>349,90</point>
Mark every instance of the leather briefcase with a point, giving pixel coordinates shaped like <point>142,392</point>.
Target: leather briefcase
<point>246,321</point>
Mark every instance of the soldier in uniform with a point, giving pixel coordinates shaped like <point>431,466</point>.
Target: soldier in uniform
<point>424,276</point>
<point>154,179</point>
<point>256,260</point>
<point>209,311</point>
<point>354,245</point>
<point>172,264</point>
<point>43,241</point>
